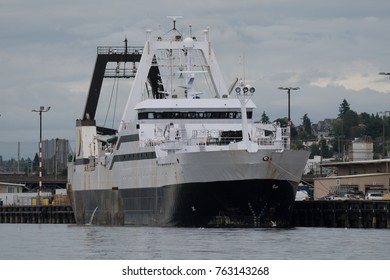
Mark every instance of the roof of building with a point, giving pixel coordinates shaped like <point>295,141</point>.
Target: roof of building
<point>352,176</point>
<point>356,162</point>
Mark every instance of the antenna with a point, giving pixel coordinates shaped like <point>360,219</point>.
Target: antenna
<point>174,20</point>
<point>243,67</point>
<point>242,61</point>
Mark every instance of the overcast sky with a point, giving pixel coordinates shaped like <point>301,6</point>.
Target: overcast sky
<point>332,50</point>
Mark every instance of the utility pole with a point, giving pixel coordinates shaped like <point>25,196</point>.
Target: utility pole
<point>383,132</point>
<point>40,111</point>
<point>289,89</point>
<point>383,117</point>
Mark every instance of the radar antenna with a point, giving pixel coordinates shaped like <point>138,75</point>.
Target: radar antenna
<point>174,21</point>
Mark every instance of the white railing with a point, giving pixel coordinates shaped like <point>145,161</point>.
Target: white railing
<point>279,139</point>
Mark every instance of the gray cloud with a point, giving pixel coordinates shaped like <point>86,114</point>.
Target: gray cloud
<point>331,49</point>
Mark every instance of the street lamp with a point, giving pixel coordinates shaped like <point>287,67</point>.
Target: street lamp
<point>289,89</point>
<point>40,111</point>
<point>384,113</point>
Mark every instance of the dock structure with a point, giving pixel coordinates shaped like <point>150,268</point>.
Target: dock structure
<point>41,214</point>
<point>317,213</point>
<point>342,214</point>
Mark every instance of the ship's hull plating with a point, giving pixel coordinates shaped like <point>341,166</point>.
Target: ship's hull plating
<point>249,203</point>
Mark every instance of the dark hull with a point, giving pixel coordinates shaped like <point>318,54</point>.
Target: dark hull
<point>252,203</point>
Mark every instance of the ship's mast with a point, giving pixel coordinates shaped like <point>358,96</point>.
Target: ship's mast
<point>244,93</point>
<point>188,44</point>
<point>174,18</point>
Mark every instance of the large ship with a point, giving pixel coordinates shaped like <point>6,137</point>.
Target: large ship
<point>187,151</point>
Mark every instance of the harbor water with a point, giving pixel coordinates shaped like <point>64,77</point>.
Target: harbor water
<point>71,242</point>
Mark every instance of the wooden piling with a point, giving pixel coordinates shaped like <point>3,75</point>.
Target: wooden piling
<point>342,213</point>
<point>42,214</point>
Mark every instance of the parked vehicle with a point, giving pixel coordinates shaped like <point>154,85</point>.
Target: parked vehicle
<point>353,196</point>
<point>386,196</point>
<point>374,196</point>
<point>333,197</point>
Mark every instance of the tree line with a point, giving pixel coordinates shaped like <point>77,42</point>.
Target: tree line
<point>348,126</point>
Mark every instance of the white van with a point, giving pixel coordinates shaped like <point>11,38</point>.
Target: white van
<point>374,196</point>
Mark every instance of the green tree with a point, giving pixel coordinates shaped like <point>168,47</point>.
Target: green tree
<point>324,148</point>
<point>282,121</point>
<point>264,118</point>
<point>306,123</point>
<point>36,162</point>
<point>364,118</point>
<point>321,149</point>
<point>304,131</point>
<point>343,109</point>
<point>314,150</point>
<point>351,124</point>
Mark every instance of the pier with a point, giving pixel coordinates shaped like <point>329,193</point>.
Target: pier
<point>42,214</point>
<point>342,214</point>
<point>318,213</point>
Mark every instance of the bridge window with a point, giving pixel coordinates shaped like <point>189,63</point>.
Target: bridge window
<point>192,115</point>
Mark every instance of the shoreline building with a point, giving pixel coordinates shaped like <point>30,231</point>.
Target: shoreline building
<point>359,174</point>
<point>55,154</point>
